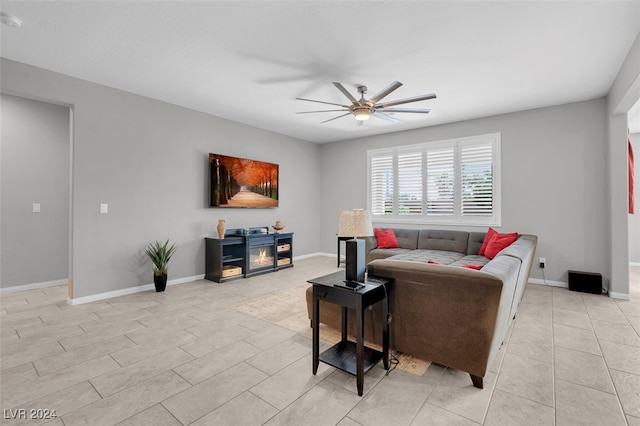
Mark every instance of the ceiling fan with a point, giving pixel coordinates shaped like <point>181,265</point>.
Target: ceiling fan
<point>364,108</point>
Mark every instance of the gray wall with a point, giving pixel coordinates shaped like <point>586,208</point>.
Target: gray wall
<point>634,219</point>
<point>35,169</point>
<point>149,161</point>
<point>553,180</point>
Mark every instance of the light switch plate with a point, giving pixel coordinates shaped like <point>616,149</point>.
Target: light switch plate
<point>36,207</point>
<point>104,208</point>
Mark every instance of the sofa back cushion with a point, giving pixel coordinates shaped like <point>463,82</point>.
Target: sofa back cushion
<point>407,238</point>
<point>457,241</point>
<point>475,242</point>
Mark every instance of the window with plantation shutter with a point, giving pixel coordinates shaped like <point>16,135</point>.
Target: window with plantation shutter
<point>476,179</point>
<point>410,183</point>
<point>440,181</point>
<point>381,184</point>
<point>451,182</point>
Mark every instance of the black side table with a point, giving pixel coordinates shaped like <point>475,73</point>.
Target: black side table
<point>352,357</point>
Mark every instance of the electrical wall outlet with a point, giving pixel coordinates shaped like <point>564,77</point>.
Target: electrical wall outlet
<point>543,262</point>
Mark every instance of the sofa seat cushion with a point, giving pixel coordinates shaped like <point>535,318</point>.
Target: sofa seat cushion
<point>472,259</point>
<point>385,253</point>
<point>424,256</point>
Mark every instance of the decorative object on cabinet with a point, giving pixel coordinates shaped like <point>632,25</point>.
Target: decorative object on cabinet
<point>221,228</point>
<point>278,226</point>
<point>247,251</point>
<point>160,254</point>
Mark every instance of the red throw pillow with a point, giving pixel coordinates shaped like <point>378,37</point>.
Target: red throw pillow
<point>386,239</point>
<point>498,242</point>
<point>490,233</point>
<point>472,266</point>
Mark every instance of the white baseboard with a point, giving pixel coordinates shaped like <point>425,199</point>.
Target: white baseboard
<point>306,256</point>
<point>129,290</point>
<point>549,282</point>
<point>34,286</point>
<point>621,296</point>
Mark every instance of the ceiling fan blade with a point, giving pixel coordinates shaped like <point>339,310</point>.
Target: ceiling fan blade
<point>335,118</point>
<point>346,93</point>
<point>383,116</point>
<point>324,110</point>
<point>414,110</point>
<point>406,100</point>
<point>384,92</point>
<point>322,102</point>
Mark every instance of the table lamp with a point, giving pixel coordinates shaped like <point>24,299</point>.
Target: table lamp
<point>355,223</point>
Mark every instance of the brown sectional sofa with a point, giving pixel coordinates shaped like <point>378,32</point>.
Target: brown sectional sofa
<point>446,313</point>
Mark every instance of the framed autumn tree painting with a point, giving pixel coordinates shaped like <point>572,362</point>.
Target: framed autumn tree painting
<point>240,182</point>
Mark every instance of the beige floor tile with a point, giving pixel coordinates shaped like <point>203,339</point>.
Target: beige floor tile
<point>385,404</point>
<point>153,347</point>
<point>568,300</point>
<point>200,369</point>
<point>621,357</point>
<point>436,416</point>
<point>41,386</point>
<point>527,378</point>
<point>60,403</point>
<point>206,396</point>
<point>349,381</point>
<point>20,373</point>
<point>571,318</point>
<point>628,389</point>
<point>288,384</point>
<point>633,421</point>
<point>617,333</point>
<point>245,409</point>
<point>534,321</point>
<point>205,345</point>
<point>583,369</point>
<point>279,356</point>
<point>531,344</point>
<point>575,405</point>
<point>325,404</point>
<point>456,393</point>
<point>153,416</point>
<point>610,314</point>
<point>122,378</point>
<point>80,354</point>
<point>133,400</point>
<point>97,337</point>
<point>579,339</point>
<point>269,339</point>
<point>18,353</point>
<point>507,409</point>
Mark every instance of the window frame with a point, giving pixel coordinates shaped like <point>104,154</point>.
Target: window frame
<point>456,219</point>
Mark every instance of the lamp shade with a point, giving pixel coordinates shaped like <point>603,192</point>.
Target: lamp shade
<point>355,223</point>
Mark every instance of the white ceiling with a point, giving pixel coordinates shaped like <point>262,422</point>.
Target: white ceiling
<point>248,61</point>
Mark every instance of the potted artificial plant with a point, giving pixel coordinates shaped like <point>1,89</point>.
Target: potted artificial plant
<point>160,254</point>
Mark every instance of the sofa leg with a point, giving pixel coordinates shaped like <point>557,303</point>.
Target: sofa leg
<point>477,381</point>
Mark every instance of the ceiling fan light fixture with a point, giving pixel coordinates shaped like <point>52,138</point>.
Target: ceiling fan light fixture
<point>362,115</point>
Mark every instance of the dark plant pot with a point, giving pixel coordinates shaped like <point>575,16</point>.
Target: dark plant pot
<point>160,281</point>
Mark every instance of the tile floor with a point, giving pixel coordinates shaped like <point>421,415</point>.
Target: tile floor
<point>187,356</point>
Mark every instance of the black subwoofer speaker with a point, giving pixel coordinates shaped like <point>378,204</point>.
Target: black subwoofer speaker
<point>586,282</point>
<point>355,260</point>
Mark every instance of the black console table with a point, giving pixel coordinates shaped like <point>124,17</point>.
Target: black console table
<point>352,357</point>
<point>246,252</point>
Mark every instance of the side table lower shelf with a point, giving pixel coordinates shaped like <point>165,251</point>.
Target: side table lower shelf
<point>342,355</point>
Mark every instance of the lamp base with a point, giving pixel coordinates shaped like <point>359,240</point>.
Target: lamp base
<point>355,260</point>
